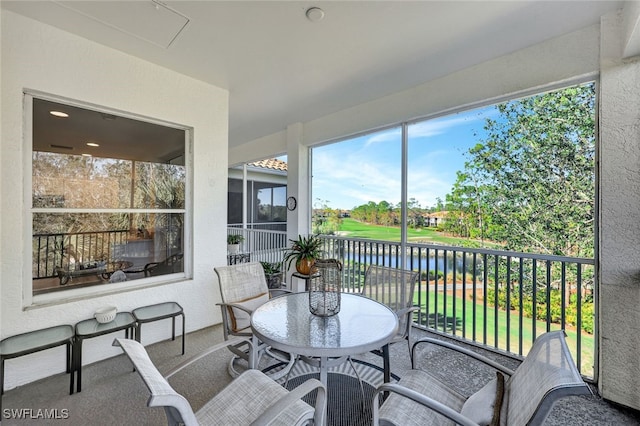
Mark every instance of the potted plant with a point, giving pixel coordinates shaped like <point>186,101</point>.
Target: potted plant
<point>273,274</point>
<point>305,251</point>
<point>233,243</point>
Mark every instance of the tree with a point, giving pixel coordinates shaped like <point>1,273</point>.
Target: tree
<point>325,220</point>
<point>531,182</point>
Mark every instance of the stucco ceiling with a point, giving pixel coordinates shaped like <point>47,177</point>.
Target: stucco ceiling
<point>280,68</point>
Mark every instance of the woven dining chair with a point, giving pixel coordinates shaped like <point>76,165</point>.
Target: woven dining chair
<point>251,399</point>
<point>243,288</point>
<point>393,288</point>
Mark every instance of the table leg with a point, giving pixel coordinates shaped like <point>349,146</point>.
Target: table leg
<point>70,366</point>
<point>173,328</point>
<point>323,371</point>
<point>183,330</point>
<point>78,363</point>
<point>253,351</point>
<point>136,333</point>
<point>1,385</point>
<point>387,366</point>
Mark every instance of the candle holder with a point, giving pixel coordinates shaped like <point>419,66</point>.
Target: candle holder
<point>324,289</point>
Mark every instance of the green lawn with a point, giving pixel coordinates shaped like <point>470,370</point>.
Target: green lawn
<point>353,228</point>
<point>587,342</point>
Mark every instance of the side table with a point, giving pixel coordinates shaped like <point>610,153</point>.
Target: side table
<point>35,341</point>
<point>158,312</point>
<point>307,279</point>
<point>91,328</point>
<point>234,259</point>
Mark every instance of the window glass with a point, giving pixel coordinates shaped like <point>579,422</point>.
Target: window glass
<point>108,198</point>
<point>264,201</point>
<point>358,181</point>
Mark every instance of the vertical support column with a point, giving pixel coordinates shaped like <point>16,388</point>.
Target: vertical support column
<point>245,209</point>
<point>298,186</point>
<point>618,290</point>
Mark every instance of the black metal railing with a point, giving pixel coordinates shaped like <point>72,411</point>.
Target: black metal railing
<point>51,251</point>
<point>498,299</point>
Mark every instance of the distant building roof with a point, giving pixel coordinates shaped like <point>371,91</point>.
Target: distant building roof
<point>270,163</point>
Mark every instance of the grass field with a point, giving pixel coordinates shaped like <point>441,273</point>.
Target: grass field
<point>445,317</point>
<point>354,229</point>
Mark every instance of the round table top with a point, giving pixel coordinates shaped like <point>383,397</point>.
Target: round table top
<point>362,325</point>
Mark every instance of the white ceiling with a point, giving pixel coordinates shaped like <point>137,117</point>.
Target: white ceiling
<point>281,68</point>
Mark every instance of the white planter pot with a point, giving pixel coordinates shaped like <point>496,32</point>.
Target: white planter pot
<point>233,248</point>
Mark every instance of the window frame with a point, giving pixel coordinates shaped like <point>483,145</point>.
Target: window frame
<point>31,300</point>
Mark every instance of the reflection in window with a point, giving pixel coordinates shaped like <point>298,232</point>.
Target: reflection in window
<point>266,203</point>
<point>115,214</point>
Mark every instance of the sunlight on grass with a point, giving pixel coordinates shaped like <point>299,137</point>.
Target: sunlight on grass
<point>501,329</point>
<point>354,229</point>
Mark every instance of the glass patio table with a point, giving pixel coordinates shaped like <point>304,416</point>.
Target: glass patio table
<point>362,325</point>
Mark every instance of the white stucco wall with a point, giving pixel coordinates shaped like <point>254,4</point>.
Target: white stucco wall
<point>619,290</point>
<point>43,58</point>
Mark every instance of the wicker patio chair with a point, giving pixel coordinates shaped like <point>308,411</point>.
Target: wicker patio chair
<point>519,397</point>
<point>252,398</point>
<point>394,288</point>
<point>243,288</point>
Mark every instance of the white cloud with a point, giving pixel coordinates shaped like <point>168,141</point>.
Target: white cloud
<point>439,126</point>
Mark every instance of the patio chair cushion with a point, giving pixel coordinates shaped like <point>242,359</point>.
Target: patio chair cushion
<point>483,407</point>
<point>240,319</point>
<point>255,390</point>
<point>401,411</point>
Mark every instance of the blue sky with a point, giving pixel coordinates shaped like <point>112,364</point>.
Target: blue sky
<point>367,168</point>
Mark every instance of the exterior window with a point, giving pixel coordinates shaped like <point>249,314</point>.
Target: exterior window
<point>269,202</point>
<point>266,205</point>
<point>108,198</point>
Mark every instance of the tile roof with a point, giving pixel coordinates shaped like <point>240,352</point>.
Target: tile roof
<point>270,163</point>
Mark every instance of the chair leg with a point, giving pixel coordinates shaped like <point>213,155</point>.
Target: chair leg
<point>285,371</point>
<point>286,380</point>
<point>231,368</point>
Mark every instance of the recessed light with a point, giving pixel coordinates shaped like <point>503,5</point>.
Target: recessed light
<point>315,14</point>
<point>59,114</point>
<point>92,144</point>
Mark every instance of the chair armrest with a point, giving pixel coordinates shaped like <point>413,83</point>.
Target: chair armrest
<point>295,394</point>
<point>234,305</point>
<point>405,311</point>
<point>461,350</point>
<point>420,399</point>
<point>148,267</point>
<point>214,348</point>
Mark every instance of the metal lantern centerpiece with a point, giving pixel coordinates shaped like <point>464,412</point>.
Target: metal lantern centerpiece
<point>324,288</point>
